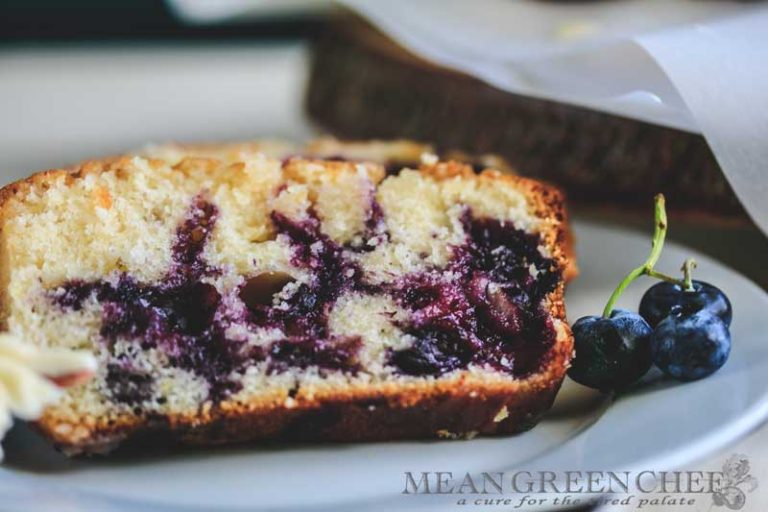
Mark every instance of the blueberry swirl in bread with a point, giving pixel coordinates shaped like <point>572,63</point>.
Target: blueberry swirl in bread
<point>260,292</point>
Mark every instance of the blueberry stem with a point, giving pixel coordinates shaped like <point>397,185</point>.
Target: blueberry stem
<point>662,277</point>
<point>687,269</point>
<point>657,244</point>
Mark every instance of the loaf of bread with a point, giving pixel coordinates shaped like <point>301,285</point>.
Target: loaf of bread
<point>258,292</point>
<point>362,84</point>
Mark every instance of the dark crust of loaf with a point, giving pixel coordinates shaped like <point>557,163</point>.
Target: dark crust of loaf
<point>459,407</point>
<point>363,85</point>
<point>461,413</point>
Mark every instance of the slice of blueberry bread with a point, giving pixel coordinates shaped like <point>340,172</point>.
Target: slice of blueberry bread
<point>231,296</point>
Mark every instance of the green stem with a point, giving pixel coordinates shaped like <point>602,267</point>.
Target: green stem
<point>687,269</point>
<point>659,234</point>
<point>663,277</point>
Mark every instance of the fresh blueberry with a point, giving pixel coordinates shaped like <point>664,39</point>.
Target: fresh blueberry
<point>660,299</point>
<point>611,353</point>
<point>690,346</point>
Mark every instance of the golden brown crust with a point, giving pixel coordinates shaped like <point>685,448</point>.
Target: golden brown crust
<point>465,405</point>
<point>464,415</point>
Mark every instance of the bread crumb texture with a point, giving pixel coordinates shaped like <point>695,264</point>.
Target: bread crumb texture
<point>118,221</point>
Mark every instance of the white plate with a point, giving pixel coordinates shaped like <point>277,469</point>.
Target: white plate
<point>660,425</point>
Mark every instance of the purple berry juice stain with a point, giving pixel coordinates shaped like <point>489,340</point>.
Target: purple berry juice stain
<point>187,318</point>
<point>303,316</point>
<point>179,315</point>
<point>489,312</point>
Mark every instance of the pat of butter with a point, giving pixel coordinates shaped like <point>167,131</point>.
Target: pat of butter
<point>25,373</point>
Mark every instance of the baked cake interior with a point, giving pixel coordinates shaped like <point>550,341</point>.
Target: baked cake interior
<point>205,281</point>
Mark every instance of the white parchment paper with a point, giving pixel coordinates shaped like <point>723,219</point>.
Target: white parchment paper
<point>699,66</point>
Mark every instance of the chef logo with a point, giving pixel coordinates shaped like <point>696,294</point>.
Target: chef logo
<point>735,479</point>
